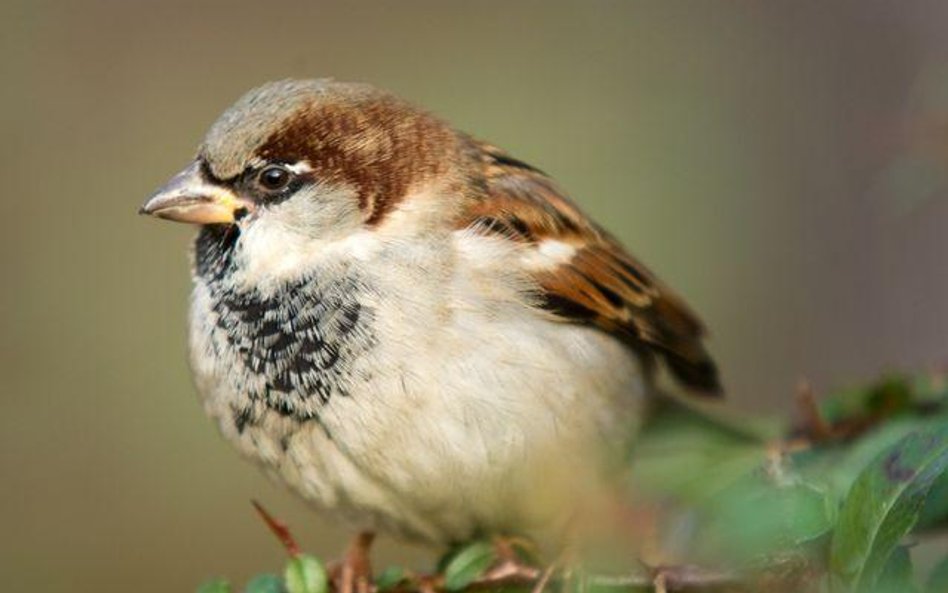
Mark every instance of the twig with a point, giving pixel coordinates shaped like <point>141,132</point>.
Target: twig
<point>814,424</point>
<point>279,529</point>
<point>659,583</point>
<point>667,579</point>
<point>689,577</point>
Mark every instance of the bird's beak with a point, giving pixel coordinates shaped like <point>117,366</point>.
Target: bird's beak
<point>189,197</point>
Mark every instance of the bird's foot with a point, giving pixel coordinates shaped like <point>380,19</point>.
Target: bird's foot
<point>516,562</point>
<point>353,574</point>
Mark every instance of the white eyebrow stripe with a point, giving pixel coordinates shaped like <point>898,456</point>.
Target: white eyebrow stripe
<point>300,167</point>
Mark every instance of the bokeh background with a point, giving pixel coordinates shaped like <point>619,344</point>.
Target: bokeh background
<point>783,164</point>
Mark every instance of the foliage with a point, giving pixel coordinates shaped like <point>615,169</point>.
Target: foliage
<point>468,564</point>
<point>842,502</point>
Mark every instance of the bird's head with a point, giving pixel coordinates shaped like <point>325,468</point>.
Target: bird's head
<point>300,164</point>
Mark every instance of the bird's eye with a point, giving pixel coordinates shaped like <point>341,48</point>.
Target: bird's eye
<point>274,178</point>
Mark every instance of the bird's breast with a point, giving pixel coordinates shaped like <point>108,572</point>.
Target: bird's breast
<point>413,398</point>
<point>291,351</point>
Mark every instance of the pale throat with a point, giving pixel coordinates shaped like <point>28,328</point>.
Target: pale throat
<point>270,254</point>
<point>292,345</point>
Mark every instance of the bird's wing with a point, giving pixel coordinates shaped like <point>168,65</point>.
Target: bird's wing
<point>584,275</point>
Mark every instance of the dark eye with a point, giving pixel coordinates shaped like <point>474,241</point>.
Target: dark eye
<point>274,178</point>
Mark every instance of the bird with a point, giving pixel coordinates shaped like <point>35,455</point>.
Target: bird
<point>409,327</point>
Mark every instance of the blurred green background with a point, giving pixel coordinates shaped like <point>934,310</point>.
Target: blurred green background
<point>783,164</point>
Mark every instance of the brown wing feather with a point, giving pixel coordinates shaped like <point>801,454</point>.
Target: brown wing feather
<point>601,284</point>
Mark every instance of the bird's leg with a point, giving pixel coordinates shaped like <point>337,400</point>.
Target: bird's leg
<point>540,585</point>
<point>565,560</point>
<point>563,565</point>
<point>507,548</point>
<point>353,574</point>
<point>516,563</point>
<point>512,565</point>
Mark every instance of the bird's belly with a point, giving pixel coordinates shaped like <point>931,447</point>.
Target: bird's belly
<point>505,433</point>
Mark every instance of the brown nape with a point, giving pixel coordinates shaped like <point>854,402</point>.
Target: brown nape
<point>377,144</point>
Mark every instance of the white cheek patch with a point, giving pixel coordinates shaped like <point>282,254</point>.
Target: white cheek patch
<point>271,252</point>
<point>362,245</point>
<point>268,251</point>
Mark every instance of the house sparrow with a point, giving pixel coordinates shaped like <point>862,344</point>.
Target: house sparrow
<point>408,326</point>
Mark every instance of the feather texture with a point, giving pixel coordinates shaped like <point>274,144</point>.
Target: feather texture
<point>584,275</point>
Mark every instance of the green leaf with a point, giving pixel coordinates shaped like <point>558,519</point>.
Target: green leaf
<point>935,511</point>
<point>214,586</point>
<point>897,576</point>
<point>305,574</point>
<point>839,467</point>
<point>884,504</point>
<point>938,580</point>
<point>391,577</point>
<point>689,458</point>
<point>468,564</point>
<point>757,518</point>
<point>265,583</point>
